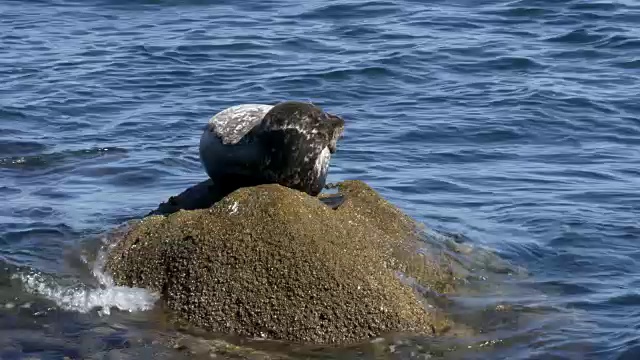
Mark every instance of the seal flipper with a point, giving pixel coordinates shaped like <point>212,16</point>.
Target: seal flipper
<point>333,201</point>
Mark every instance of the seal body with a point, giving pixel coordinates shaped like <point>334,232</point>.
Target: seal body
<point>223,149</point>
<point>290,143</point>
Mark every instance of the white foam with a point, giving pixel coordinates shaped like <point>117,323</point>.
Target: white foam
<point>83,298</point>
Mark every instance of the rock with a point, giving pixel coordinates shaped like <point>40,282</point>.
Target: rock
<point>270,261</point>
<point>198,347</point>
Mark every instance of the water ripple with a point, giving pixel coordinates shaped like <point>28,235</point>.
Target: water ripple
<point>514,123</point>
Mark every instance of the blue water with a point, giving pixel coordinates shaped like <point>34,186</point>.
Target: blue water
<point>514,124</point>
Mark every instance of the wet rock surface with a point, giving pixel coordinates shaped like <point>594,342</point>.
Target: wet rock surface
<point>269,261</point>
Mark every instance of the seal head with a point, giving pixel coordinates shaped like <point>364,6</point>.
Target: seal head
<point>298,140</point>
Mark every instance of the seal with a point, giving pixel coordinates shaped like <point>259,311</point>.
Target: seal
<point>290,144</point>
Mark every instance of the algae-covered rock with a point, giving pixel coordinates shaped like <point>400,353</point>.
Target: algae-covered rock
<point>367,209</point>
<point>269,261</point>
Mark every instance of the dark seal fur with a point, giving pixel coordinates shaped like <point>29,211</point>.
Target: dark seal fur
<point>298,140</point>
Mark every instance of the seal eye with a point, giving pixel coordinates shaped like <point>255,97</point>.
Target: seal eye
<point>336,120</point>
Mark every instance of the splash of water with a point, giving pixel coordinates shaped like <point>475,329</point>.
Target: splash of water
<point>84,298</point>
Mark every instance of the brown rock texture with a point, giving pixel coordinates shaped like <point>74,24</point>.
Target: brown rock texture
<point>270,261</point>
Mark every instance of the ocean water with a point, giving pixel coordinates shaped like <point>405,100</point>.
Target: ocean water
<point>508,127</point>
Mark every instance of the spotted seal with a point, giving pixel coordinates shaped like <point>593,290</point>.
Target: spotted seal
<point>290,143</point>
